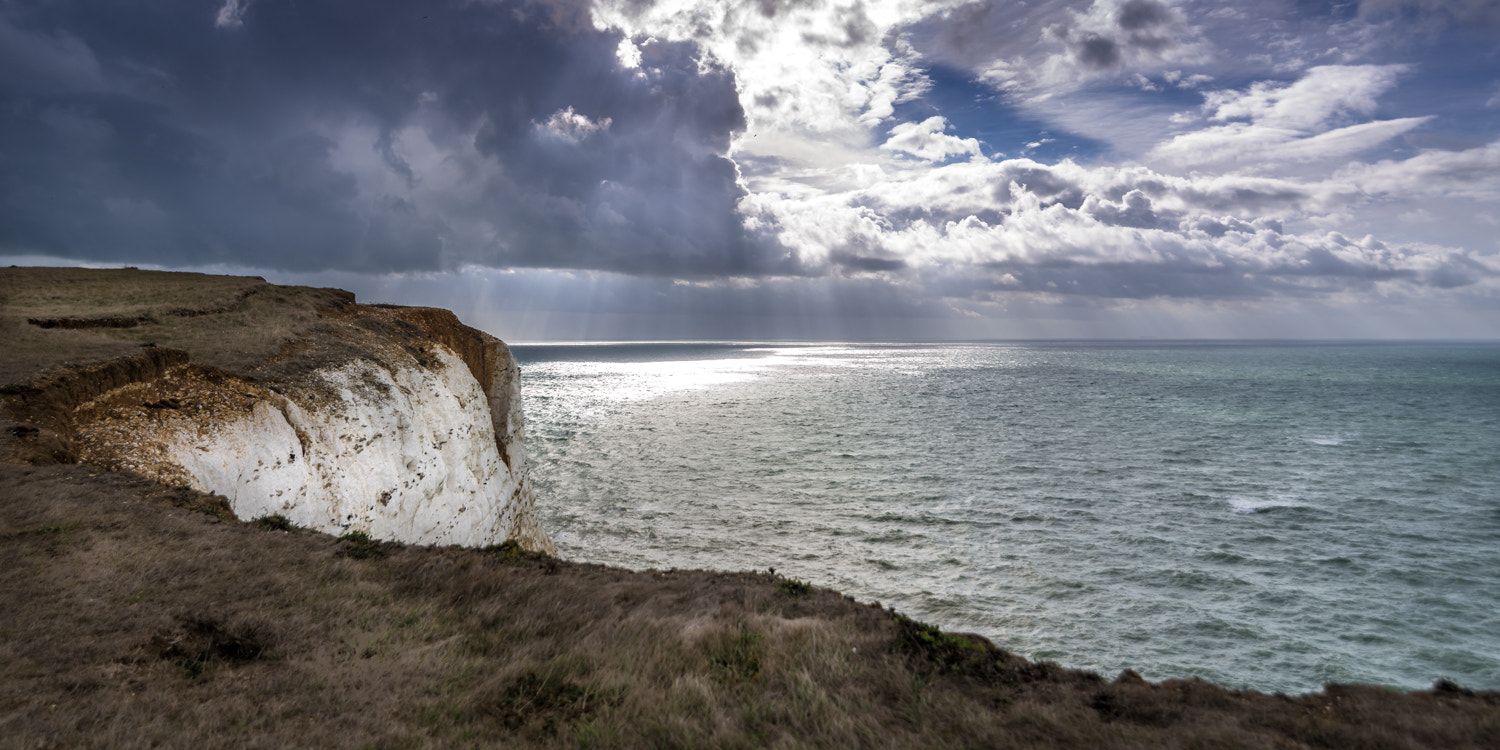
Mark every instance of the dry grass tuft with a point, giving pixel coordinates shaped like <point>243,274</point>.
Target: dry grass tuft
<point>361,546</point>
<point>201,641</point>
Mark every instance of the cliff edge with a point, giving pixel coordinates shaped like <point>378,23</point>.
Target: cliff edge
<point>398,422</point>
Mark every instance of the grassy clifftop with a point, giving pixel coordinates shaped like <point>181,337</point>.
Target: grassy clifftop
<point>52,316</point>
<point>134,614</point>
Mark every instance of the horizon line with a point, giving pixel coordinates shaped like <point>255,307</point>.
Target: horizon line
<point>1059,340</point>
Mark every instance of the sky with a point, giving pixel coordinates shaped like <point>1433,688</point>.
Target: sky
<point>891,170</point>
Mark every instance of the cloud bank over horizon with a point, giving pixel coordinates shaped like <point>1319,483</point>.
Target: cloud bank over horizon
<point>707,170</point>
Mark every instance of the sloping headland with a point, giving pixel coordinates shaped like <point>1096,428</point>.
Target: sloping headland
<point>153,593</point>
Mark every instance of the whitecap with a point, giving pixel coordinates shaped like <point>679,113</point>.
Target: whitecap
<point>1256,505</point>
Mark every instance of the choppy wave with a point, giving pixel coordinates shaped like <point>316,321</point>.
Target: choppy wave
<point>1257,505</point>
<point>1265,516</point>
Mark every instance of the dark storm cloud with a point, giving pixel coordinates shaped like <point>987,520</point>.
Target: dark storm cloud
<point>178,132</point>
<point>1098,52</point>
<point>1134,15</point>
<point>1092,35</point>
<point>1140,26</point>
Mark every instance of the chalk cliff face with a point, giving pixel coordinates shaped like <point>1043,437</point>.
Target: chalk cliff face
<point>399,422</point>
<point>407,453</point>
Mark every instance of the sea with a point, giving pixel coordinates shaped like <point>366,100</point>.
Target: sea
<point>1265,515</point>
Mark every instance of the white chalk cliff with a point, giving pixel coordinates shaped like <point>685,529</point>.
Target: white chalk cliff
<point>407,454</point>
<point>399,422</point>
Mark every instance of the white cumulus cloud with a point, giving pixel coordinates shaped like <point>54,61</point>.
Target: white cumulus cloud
<point>926,140</point>
<point>1321,94</point>
<point>1271,126</point>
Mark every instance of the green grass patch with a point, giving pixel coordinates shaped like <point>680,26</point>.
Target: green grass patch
<point>793,587</point>
<point>946,651</point>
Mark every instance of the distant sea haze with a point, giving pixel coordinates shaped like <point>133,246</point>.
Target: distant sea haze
<point>1268,516</point>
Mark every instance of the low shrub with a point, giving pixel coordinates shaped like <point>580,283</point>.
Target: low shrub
<point>275,522</point>
<point>361,546</point>
<point>793,587</point>
<point>512,553</point>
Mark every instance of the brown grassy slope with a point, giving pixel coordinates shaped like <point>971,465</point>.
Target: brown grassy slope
<point>236,323</point>
<point>50,317</point>
<point>129,619</point>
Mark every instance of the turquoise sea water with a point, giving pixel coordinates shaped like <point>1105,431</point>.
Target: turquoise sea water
<point>1272,516</point>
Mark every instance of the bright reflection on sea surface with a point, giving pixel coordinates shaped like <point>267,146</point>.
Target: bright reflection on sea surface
<point>1269,516</point>
<point>637,380</point>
